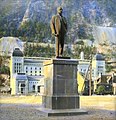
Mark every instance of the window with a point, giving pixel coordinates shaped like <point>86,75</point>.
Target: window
<point>22,85</point>
<point>38,88</point>
<point>33,88</point>
<point>100,66</point>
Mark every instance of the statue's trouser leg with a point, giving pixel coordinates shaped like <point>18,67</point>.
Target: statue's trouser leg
<point>57,46</point>
<point>61,46</point>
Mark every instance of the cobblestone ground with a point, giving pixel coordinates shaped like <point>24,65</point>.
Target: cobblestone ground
<point>30,112</point>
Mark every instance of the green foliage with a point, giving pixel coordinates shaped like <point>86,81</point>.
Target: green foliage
<point>103,90</point>
<point>1,80</point>
<point>88,50</point>
<point>8,28</point>
<point>29,31</point>
<point>5,70</point>
<point>33,30</point>
<point>100,90</point>
<point>82,31</point>
<point>38,50</point>
<point>108,68</point>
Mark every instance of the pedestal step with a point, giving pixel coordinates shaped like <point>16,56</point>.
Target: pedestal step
<point>61,112</point>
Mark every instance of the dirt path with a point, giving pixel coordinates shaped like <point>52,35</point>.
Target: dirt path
<point>30,112</point>
<point>25,108</point>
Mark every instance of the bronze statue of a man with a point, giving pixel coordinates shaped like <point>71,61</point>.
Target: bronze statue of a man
<point>58,26</point>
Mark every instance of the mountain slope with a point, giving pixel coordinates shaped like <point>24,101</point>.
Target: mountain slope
<point>93,11</point>
<point>8,44</point>
<point>105,35</point>
<point>81,16</point>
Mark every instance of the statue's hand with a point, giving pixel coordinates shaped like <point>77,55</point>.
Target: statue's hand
<point>56,35</point>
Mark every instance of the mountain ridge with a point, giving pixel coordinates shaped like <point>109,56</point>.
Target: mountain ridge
<point>91,9</point>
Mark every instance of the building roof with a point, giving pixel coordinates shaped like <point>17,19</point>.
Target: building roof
<point>32,61</point>
<point>21,77</point>
<point>99,56</point>
<point>34,78</point>
<point>17,52</point>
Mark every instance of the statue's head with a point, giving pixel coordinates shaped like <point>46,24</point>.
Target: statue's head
<point>59,10</point>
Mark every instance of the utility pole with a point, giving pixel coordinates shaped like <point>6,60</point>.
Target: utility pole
<point>90,78</point>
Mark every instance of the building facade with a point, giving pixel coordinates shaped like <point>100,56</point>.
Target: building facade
<point>98,68</point>
<point>26,73</point>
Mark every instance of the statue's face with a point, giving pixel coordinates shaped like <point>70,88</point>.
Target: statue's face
<point>59,10</point>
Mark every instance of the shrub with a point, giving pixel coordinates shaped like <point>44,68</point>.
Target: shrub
<point>100,90</point>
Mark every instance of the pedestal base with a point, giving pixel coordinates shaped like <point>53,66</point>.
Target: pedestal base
<point>60,96</point>
<point>61,102</point>
<point>62,112</point>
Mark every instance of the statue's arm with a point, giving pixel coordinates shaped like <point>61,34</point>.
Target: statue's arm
<point>52,25</point>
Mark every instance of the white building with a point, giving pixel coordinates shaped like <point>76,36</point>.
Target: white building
<point>26,73</point>
<point>98,66</point>
<point>83,66</point>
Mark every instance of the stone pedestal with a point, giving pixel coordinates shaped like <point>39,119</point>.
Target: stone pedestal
<point>60,88</point>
